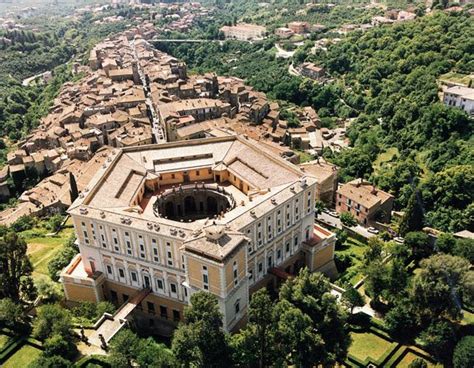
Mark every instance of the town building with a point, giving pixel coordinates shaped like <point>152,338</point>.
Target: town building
<point>244,32</point>
<point>284,32</point>
<point>299,27</point>
<point>363,200</point>
<point>310,70</point>
<point>217,214</point>
<point>461,97</point>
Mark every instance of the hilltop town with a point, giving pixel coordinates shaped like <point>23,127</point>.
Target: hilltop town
<point>236,184</point>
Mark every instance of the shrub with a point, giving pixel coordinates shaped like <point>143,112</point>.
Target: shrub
<point>464,353</point>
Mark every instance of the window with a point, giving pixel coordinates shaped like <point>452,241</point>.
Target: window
<point>109,270</point>
<point>154,246</point>
<point>279,227</point>
<point>160,285</point>
<point>173,176</point>
<point>103,239</point>
<point>288,215</point>
<point>259,234</point>
<point>86,234</point>
<point>113,296</point>
<point>250,274</point>
<point>296,242</point>
<point>287,247</point>
<point>183,264</point>
<point>197,172</point>
<point>121,273</point>
<point>260,267</point>
<point>174,289</point>
<point>235,273</point>
<point>205,278</point>
<point>163,311</point>
<point>151,307</point>
<point>237,306</point>
<point>269,261</point>
<point>176,315</point>
<point>115,240</point>
<point>141,245</point>
<point>297,210</point>
<point>134,276</point>
<point>128,243</point>
<point>278,254</point>
<point>309,202</point>
<point>169,255</point>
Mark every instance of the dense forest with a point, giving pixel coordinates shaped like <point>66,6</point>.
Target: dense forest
<point>390,81</point>
<point>403,138</point>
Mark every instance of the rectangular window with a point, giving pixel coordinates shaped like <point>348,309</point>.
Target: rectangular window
<point>169,255</point>
<point>173,289</point>
<point>121,273</point>
<point>278,254</point>
<point>151,307</point>
<point>205,278</point>
<point>250,274</point>
<point>115,240</point>
<point>287,247</point>
<point>109,270</point>
<point>260,267</point>
<point>160,285</point>
<point>163,312</point>
<point>176,315</point>
<point>141,245</point>
<point>235,273</point>
<point>134,276</point>
<point>85,233</point>
<point>154,246</point>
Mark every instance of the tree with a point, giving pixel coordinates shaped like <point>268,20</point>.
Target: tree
<point>306,302</point>
<point>51,362</point>
<point>351,298</point>
<point>124,348</point>
<point>15,266</point>
<point>374,250</point>
<point>441,285</point>
<point>73,191</point>
<point>348,219</point>
<point>51,320</point>
<point>464,248</point>
<point>397,281</point>
<point>55,222</point>
<point>254,345</point>
<point>412,219</point>
<point>155,355</point>
<point>11,315</point>
<point>62,259</point>
<point>376,281</point>
<point>319,206</point>
<point>401,320</point>
<point>25,222</point>
<point>201,340</point>
<point>445,243</point>
<point>439,339</point>
<point>464,353</point>
<point>419,244</point>
<point>418,363</point>
<point>60,345</point>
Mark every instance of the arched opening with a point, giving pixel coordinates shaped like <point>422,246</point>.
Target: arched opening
<point>189,205</point>
<point>169,209</point>
<point>211,205</point>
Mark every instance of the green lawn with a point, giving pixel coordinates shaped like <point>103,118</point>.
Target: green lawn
<point>42,248</point>
<point>3,341</point>
<point>365,345</point>
<point>355,249</point>
<point>468,318</point>
<point>408,358</point>
<point>23,357</point>
<point>385,157</point>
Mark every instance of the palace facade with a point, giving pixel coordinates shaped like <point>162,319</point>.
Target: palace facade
<point>218,214</point>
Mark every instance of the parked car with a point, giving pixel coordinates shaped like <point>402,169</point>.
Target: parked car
<point>326,210</point>
<point>399,239</point>
<point>333,214</point>
<point>372,230</point>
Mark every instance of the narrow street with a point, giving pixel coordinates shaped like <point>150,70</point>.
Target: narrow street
<point>159,132</point>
